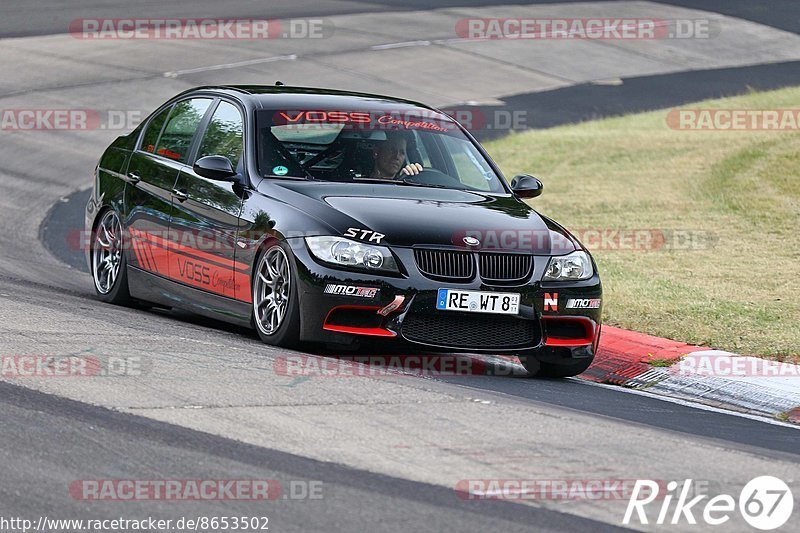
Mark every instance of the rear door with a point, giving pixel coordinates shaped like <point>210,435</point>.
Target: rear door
<point>205,221</point>
<point>152,173</point>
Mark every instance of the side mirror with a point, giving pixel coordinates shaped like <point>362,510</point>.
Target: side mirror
<point>214,167</point>
<point>526,186</point>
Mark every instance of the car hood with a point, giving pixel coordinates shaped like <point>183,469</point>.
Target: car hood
<point>409,215</point>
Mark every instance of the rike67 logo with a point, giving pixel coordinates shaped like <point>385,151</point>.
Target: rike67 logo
<point>765,503</point>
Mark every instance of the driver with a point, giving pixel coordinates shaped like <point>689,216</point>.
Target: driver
<point>389,158</point>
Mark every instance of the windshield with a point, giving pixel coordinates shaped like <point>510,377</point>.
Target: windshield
<point>417,147</point>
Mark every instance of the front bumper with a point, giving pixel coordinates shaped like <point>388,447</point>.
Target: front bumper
<point>402,311</point>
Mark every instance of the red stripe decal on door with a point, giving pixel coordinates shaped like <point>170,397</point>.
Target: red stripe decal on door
<point>190,266</point>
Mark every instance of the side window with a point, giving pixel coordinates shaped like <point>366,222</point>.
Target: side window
<point>150,138</point>
<point>181,127</point>
<point>468,162</point>
<point>224,135</point>
<point>419,146</point>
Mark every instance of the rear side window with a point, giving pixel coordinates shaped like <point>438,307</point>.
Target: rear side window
<point>181,127</point>
<point>150,138</point>
<point>224,135</point>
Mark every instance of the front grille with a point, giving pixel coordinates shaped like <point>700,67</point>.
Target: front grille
<point>504,268</point>
<point>454,265</point>
<point>445,264</point>
<point>466,331</point>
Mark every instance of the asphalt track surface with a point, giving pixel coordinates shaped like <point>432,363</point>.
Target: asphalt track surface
<point>182,422</point>
<point>589,101</point>
<point>43,17</point>
<point>127,445</point>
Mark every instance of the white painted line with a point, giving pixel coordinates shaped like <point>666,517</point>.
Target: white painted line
<point>224,66</point>
<point>405,44</point>
<point>687,403</point>
<point>444,42</point>
<point>485,102</point>
<point>613,82</point>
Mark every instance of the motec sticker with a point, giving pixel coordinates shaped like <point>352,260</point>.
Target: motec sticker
<point>351,290</point>
<point>364,235</point>
<point>583,303</point>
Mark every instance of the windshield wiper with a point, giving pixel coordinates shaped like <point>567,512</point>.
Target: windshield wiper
<point>408,181</point>
<point>404,181</point>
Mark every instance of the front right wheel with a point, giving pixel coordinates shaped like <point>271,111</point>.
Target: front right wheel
<point>276,309</point>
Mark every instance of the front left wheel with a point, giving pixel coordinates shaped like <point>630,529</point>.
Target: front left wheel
<point>276,309</point>
<point>109,267</point>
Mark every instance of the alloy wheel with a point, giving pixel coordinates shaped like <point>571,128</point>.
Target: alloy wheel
<point>271,290</point>
<point>107,252</point>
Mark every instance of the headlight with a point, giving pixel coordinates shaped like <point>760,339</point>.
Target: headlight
<point>344,252</point>
<point>573,267</point>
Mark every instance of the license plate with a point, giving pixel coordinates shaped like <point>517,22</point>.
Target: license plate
<point>502,303</point>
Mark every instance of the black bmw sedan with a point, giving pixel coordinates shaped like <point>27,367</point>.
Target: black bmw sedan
<point>322,216</point>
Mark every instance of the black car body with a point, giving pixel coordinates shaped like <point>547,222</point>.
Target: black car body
<point>228,198</point>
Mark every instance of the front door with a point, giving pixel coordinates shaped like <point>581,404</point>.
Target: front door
<point>205,221</point>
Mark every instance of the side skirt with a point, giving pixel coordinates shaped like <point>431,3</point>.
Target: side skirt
<point>155,289</point>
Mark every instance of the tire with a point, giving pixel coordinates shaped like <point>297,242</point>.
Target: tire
<point>275,269</point>
<point>108,263</point>
<point>550,370</point>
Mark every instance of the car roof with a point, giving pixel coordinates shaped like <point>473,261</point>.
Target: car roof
<point>270,96</point>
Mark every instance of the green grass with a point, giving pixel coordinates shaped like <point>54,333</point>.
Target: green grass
<point>738,287</point>
<point>663,363</point>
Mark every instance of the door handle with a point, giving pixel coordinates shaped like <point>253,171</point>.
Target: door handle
<point>181,195</point>
<point>134,178</point>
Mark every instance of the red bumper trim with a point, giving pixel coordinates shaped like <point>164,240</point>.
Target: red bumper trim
<point>354,330</point>
<point>589,328</point>
<point>371,332</point>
